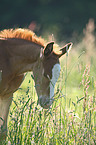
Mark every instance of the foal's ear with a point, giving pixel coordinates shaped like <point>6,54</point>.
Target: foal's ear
<point>48,49</point>
<point>65,48</point>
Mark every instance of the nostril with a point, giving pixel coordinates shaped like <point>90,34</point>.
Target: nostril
<point>45,102</point>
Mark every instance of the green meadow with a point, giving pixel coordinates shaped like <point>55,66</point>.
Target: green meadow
<point>71,120</point>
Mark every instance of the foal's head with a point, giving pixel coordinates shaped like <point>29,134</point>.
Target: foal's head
<point>46,73</point>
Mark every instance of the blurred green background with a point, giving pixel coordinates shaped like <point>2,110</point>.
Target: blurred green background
<point>64,19</point>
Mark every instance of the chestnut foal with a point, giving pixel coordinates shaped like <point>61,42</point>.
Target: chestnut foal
<point>22,51</point>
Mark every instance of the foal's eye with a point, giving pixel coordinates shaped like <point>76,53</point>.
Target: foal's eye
<point>45,75</point>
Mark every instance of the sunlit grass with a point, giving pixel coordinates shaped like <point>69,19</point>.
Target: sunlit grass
<point>70,120</point>
<point>72,117</point>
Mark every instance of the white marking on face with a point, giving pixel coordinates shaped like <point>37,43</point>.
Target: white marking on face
<point>55,75</point>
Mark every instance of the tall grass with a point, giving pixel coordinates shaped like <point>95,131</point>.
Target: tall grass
<point>72,117</point>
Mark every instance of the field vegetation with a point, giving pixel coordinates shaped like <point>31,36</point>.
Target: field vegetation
<point>71,120</point>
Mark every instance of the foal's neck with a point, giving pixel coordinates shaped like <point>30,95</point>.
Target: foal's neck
<point>23,55</point>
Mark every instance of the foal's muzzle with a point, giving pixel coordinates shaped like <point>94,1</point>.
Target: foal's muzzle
<point>45,102</point>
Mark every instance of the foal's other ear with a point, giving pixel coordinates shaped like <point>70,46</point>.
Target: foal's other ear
<point>65,48</point>
<point>48,49</point>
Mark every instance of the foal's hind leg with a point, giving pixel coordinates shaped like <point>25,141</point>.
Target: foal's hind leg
<point>4,110</point>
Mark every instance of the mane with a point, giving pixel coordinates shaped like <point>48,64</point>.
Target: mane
<point>22,34</point>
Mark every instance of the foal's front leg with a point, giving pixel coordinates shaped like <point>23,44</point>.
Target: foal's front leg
<point>4,110</point>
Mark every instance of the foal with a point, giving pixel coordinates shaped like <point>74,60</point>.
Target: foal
<point>22,51</point>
